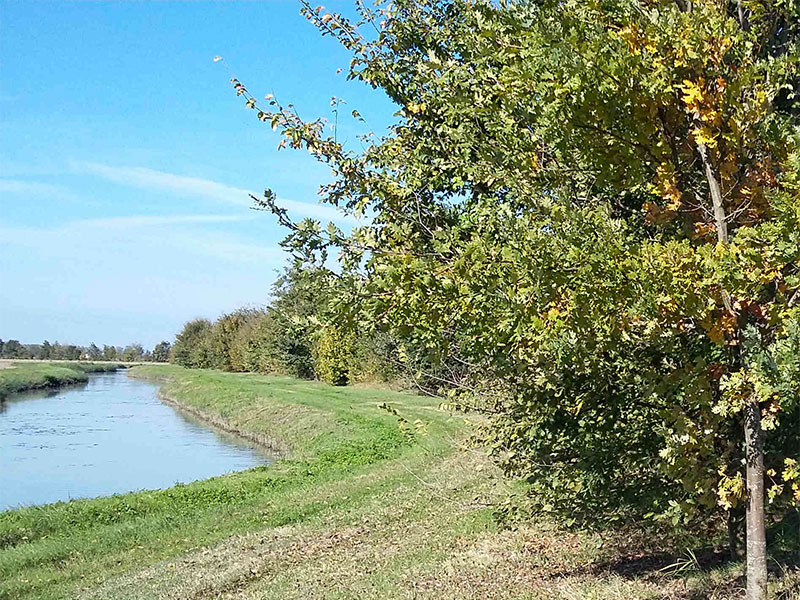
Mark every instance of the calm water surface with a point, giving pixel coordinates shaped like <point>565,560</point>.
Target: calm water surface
<point>109,436</point>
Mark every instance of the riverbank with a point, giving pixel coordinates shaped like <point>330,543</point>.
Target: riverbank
<point>359,508</point>
<point>21,376</point>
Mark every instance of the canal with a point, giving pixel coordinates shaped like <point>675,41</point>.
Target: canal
<point>109,436</point>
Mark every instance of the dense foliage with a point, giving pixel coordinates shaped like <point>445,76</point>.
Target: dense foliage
<point>294,335</point>
<point>191,346</point>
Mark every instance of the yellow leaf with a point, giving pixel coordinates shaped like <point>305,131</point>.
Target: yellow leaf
<point>703,135</point>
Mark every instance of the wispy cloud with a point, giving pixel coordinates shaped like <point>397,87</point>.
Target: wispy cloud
<point>34,188</point>
<point>39,168</point>
<point>138,231</point>
<point>195,186</point>
<point>159,220</point>
<point>32,235</point>
<point>151,179</point>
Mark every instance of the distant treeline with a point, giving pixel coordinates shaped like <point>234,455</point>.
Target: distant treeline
<point>293,335</point>
<point>56,351</point>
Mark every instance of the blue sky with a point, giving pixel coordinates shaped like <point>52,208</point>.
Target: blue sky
<point>126,159</point>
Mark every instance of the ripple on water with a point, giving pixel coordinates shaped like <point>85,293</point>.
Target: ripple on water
<point>111,436</point>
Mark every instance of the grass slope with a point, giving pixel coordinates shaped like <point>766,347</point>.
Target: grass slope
<point>22,376</point>
<point>359,508</point>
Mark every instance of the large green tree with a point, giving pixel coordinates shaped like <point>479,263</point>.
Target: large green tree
<point>192,345</point>
<point>223,335</point>
<point>595,206</point>
<point>295,318</point>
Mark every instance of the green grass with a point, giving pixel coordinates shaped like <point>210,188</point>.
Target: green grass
<point>22,376</point>
<point>331,433</point>
<point>357,508</point>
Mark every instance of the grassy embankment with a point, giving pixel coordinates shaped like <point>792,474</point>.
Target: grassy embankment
<point>357,509</point>
<point>22,376</point>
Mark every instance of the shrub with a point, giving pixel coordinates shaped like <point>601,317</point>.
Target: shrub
<point>334,355</point>
<point>222,336</point>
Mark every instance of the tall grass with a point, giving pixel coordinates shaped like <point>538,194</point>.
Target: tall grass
<point>23,376</point>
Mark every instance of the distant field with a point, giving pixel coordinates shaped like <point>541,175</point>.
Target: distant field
<point>363,506</point>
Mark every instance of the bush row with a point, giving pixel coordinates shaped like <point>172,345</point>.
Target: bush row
<point>290,336</point>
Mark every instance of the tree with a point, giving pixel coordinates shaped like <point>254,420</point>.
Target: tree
<point>13,349</point>
<point>222,335</point>
<point>191,347</point>
<point>71,352</point>
<point>596,207</point>
<point>94,352</point>
<point>161,352</point>
<point>46,350</point>
<point>277,339</point>
<point>110,353</point>
<point>281,338</point>
<point>300,299</point>
<point>250,344</point>
<point>132,353</point>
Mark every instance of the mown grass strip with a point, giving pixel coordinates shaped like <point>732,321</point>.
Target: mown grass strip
<point>333,434</point>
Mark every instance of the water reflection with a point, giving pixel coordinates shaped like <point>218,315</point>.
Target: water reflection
<point>109,436</point>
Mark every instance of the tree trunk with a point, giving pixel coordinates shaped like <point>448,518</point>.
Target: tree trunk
<point>754,435</point>
<point>720,218</point>
<point>744,22</point>
<point>756,532</point>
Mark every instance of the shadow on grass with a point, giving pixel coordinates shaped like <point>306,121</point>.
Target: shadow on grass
<point>663,563</point>
<point>783,541</point>
<point>784,566</point>
<point>669,571</point>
